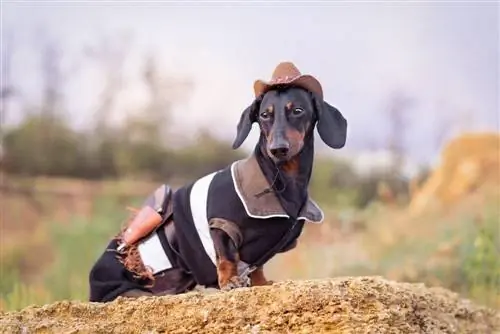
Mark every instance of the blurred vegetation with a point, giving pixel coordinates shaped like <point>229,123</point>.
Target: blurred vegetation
<point>42,146</point>
<point>51,259</point>
<point>461,253</point>
<point>479,258</point>
<point>144,145</point>
<point>76,244</point>
<point>470,267</point>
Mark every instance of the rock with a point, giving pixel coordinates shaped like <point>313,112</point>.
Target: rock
<point>342,305</point>
<point>468,162</point>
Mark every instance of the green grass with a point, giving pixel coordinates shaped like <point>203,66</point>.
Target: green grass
<point>471,267</point>
<point>77,244</point>
<point>480,259</point>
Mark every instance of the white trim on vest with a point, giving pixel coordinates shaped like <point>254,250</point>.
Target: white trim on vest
<point>198,201</point>
<point>153,255</point>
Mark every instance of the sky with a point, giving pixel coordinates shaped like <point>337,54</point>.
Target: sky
<point>444,55</point>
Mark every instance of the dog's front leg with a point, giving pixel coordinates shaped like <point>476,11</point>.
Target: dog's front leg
<point>257,278</point>
<point>227,260</point>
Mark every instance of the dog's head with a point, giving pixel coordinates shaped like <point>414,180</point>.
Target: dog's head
<point>286,116</point>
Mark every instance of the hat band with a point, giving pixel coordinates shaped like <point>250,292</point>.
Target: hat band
<point>283,79</point>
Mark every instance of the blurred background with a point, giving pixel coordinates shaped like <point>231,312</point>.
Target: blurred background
<point>102,101</point>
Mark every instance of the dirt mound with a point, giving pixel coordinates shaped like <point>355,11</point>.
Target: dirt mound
<point>363,304</point>
<point>468,162</point>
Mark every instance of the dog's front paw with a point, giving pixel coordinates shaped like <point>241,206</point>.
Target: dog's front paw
<point>234,283</point>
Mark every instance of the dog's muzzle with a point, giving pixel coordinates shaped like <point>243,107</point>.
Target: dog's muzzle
<point>279,147</point>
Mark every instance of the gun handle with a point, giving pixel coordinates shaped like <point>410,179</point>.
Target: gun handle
<point>146,220</point>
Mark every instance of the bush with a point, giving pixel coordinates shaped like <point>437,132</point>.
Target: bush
<point>480,259</point>
<point>43,146</point>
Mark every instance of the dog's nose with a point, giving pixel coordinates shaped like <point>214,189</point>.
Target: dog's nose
<point>280,151</point>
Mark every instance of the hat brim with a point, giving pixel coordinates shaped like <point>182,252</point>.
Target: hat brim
<point>305,81</point>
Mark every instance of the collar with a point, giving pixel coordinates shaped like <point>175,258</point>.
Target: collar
<point>249,180</point>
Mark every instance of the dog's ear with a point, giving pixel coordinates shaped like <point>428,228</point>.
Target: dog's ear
<point>332,126</point>
<point>248,116</point>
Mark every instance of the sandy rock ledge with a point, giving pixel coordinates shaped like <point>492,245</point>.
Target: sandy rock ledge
<point>342,305</point>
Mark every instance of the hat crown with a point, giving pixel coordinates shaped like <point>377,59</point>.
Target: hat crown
<point>284,72</point>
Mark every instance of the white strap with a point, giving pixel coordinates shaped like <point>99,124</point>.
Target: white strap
<point>198,202</point>
<point>153,255</point>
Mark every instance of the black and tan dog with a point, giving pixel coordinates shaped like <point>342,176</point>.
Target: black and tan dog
<point>220,230</point>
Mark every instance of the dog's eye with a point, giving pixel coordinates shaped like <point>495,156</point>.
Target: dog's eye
<point>297,111</point>
<point>265,115</point>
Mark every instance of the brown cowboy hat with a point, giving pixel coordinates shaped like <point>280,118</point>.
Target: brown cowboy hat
<point>286,73</point>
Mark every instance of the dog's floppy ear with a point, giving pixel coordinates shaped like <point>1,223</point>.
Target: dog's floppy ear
<point>332,126</point>
<point>248,116</point>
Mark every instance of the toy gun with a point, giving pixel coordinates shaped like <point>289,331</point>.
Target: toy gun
<point>151,216</point>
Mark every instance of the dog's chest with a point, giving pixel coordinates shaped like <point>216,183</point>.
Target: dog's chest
<point>260,235</point>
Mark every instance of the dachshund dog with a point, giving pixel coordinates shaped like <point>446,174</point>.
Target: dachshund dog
<point>220,230</point>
